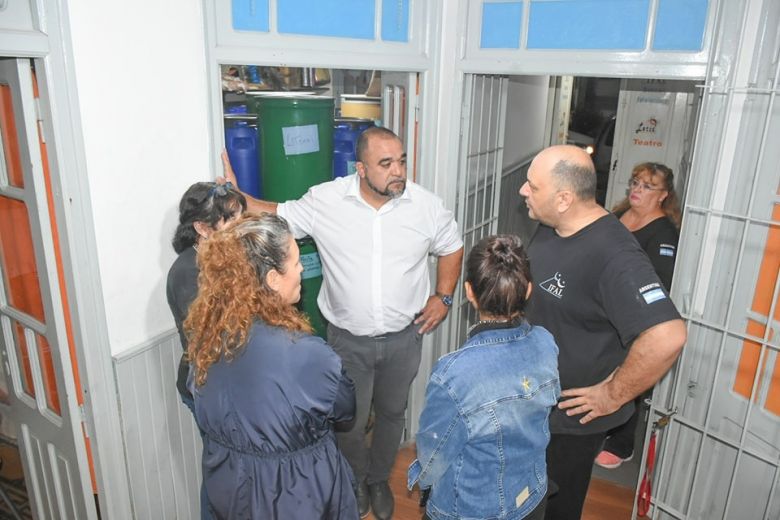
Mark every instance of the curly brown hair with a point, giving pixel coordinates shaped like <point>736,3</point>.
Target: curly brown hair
<point>670,205</point>
<point>233,293</point>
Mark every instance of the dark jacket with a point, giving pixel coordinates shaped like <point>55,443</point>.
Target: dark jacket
<point>267,416</point>
<point>181,289</point>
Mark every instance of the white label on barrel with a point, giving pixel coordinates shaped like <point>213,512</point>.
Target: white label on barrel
<point>300,139</point>
<point>311,266</point>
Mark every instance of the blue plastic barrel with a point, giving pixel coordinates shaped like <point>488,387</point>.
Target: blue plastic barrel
<point>236,109</point>
<point>241,141</point>
<point>346,131</point>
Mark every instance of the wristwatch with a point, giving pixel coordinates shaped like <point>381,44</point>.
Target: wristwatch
<point>446,299</point>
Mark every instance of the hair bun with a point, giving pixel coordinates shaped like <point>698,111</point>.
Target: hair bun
<point>503,252</point>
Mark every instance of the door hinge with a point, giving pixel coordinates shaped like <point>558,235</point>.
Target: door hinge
<point>39,120</point>
<point>85,423</point>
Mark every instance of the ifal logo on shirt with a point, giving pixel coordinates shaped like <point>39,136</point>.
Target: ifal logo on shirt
<point>554,285</point>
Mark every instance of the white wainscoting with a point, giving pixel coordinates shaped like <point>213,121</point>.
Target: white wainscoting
<point>162,444</point>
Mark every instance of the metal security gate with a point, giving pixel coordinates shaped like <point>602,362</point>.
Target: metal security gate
<point>719,457</point>
<point>479,179</point>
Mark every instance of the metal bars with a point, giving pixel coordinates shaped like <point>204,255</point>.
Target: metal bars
<point>479,176</point>
<point>705,477</point>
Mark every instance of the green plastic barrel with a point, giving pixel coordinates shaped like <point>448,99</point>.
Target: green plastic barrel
<point>253,98</point>
<point>296,133</point>
<point>311,280</point>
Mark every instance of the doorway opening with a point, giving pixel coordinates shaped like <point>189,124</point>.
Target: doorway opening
<point>619,122</point>
<point>287,129</point>
<point>360,98</point>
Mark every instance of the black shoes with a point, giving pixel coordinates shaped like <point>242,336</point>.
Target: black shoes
<point>362,498</point>
<point>381,500</point>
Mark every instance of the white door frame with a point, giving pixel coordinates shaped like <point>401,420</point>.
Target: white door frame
<point>46,39</point>
<point>51,444</point>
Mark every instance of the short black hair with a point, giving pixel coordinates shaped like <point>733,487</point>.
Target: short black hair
<point>362,142</point>
<point>499,273</point>
<point>577,177</point>
<point>206,202</point>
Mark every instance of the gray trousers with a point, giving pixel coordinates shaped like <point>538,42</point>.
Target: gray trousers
<point>382,369</point>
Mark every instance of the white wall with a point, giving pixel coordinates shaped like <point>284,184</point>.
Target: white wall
<point>524,136</point>
<point>141,72</point>
<point>526,117</point>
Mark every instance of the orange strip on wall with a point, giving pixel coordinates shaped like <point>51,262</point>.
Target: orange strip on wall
<point>762,303</point>
<point>773,396</point>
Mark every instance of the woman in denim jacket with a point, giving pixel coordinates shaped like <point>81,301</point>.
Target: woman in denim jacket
<point>484,431</point>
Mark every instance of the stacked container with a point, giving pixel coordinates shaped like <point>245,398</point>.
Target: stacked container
<point>296,139</point>
<point>346,132</point>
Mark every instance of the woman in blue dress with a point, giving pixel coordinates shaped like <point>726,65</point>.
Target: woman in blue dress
<point>267,392</point>
<point>484,429</point>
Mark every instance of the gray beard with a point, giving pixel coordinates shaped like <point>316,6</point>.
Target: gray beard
<point>385,192</point>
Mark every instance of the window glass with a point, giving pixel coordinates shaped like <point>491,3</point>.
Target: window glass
<point>12,165</point>
<point>17,258</point>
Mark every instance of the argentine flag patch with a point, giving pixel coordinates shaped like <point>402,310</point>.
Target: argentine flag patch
<point>652,293</point>
<point>666,250</point>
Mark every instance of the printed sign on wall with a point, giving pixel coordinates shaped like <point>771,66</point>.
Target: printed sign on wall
<point>650,119</point>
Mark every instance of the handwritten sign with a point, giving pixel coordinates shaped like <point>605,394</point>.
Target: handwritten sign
<point>312,267</point>
<point>299,140</point>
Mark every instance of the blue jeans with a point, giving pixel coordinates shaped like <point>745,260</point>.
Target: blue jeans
<point>536,514</point>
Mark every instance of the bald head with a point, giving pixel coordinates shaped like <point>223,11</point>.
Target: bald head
<point>570,168</point>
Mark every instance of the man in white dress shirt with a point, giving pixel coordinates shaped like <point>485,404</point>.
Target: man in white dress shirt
<point>374,231</point>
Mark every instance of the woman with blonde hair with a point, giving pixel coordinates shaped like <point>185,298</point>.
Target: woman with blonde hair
<point>267,392</point>
<point>651,211</point>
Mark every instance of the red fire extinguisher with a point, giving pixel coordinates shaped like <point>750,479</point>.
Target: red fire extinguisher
<point>646,487</point>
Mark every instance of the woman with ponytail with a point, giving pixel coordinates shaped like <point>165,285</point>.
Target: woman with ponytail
<point>267,392</point>
<point>484,431</point>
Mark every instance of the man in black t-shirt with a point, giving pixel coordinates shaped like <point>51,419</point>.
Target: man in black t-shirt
<point>597,293</point>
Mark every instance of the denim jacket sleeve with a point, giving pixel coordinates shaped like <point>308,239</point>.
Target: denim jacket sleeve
<point>441,437</point>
